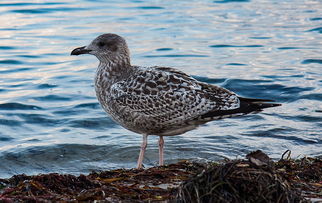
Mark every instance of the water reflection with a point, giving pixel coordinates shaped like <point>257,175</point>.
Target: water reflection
<point>50,120</point>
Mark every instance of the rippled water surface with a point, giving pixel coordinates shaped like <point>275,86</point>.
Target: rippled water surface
<point>50,120</point>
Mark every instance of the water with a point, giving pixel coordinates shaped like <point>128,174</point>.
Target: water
<point>50,120</point>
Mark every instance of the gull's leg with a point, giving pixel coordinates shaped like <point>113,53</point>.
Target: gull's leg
<point>161,143</point>
<point>143,147</point>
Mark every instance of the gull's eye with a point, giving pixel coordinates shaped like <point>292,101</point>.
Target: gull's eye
<point>101,44</point>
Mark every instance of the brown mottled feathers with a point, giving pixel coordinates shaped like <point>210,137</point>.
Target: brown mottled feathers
<point>169,98</point>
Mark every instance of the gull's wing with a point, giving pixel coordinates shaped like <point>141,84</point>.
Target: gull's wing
<point>169,96</point>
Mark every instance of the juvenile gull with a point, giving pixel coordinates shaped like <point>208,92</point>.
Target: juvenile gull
<point>156,100</point>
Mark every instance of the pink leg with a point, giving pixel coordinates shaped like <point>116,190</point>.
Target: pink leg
<point>143,147</point>
<point>161,143</point>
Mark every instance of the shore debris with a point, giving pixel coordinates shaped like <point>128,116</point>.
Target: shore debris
<point>256,179</point>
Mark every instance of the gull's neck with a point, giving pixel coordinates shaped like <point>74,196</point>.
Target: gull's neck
<point>114,68</point>
<point>109,72</point>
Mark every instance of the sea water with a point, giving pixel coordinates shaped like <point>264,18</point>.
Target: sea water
<point>50,119</point>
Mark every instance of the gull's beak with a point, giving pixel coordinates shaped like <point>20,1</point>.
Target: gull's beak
<point>80,50</point>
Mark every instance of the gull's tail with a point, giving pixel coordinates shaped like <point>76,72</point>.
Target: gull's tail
<point>250,105</point>
<point>247,105</point>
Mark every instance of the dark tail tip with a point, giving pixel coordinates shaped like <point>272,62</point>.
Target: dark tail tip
<point>258,103</point>
<point>267,105</point>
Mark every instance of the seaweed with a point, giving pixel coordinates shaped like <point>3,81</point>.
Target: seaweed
<point>257,179</point>
<point>254,179</point>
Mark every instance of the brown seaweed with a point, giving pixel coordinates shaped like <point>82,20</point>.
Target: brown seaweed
<point>257,179</point>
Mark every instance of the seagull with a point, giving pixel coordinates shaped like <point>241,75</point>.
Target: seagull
<point>159,101</point>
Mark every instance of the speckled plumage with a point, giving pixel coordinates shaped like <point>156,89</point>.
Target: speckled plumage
<point>160,101</point>
<point>157,100</point>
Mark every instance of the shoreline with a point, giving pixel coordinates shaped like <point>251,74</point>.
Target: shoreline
<point>256,178</point>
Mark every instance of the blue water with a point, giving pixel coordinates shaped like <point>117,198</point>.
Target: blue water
<point>50,120</point>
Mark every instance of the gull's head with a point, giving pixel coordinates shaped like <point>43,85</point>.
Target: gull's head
<point>108,48</point>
